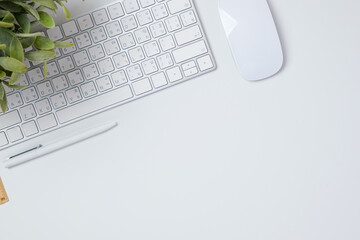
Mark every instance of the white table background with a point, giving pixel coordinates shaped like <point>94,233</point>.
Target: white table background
<point>217,157</point>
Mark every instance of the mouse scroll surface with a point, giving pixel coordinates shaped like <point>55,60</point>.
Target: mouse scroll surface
<point>253,38</point>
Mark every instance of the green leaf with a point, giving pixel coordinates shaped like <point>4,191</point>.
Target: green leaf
<point>26,35</point>
<point>41,8</point>
<point>4,103</point>
<point>14,86</point>
<point>29,9</point>
<point>16,50</point>
<point>41,55</point>
<point>23,21</point>
<point>12,64</point>
<point>6,37</point>
<point>6,25</point>
<point>2,46</point>
<point>3,13</point>
<point>47,3</point>
<point>10,6</point>
<point>9,17</point>
<point>63,44</point>
<point>27,42</point>
<point>46,20</point>
<point>2,91</point>
<point>66,11</point>
<point>44,43</point>
<point>2,75</point>
<point>15,77</point>
<point>45,69</point>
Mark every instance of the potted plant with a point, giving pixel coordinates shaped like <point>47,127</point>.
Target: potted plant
<point>17,17</point>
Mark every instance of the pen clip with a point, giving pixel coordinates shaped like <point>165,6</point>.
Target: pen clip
<point>26,151</point>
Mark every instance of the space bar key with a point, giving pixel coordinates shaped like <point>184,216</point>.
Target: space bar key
<point>94,104</point>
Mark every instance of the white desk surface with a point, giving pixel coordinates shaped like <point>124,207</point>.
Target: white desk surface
<point>217,157</point>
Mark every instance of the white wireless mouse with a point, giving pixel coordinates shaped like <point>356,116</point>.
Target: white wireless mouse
<point>253,37</point>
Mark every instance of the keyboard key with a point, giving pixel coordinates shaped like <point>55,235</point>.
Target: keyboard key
<point>174,74</point>
<point>188,35</point>
<point>111,47</point>
<point>90,71</point>
<point>96,52</point>
<point>127,41</point>
<point>106,66</point>
<point>35,75</point>
<point>151,49</point>
<point>131,5</point>
<point>88,89</point>
<point>73,95</point>
<point>55,33</point>
<point>173,23</point>
<point>94,104</point>
<point>144,17</point>
<point>81,58</point>
<point>136,54</point>
<point>147,3</point>
<point>121,60</point>
<point>52,70</point>
<point>66,64</point>
<point>98,34</point>
<point>159,80</point>
<point>14,134</point>
<point>188,65</point>
<point>134,72</point>
<point>157,29</point>
<point>191,72</point>
<point>103,83</point>
<point>47,122</point>
<point>58,100</point>
<point>149,66</point>
<point>14,100</point>
<point>119,78</point>
<point>60,83</point>
<point>70,28</point>
<point>167,43</point>
<point>29,128</point>
<point>113,28</point>
<point>160,11</point>
<point>176,6</point>
<point>116,11</point>
<point>43,106</point>
<point>85,22</point>
<point>188,18</point>
<point>128,23</point>
<point>165,61</point>
<point>83,40</point>
<point>45,89</point>
<point>29,94</point>
<point>142,86</point>
<point>205,63</point>
<point>57,52</point>
<point>142,35</point>
<point>27,112</point>
<point>9,118</point>
<point>75,77</point>
<point>190,51</point>
<point>100,16</point>
<point>3,139</point>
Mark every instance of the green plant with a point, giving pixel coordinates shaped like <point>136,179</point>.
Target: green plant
<point>17,17</point>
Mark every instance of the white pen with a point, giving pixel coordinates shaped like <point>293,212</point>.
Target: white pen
<point>44,150</point>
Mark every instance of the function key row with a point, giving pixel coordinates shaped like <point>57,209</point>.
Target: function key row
<point>115,11</point>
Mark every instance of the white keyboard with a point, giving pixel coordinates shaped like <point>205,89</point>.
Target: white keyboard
<point>122,52</point>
